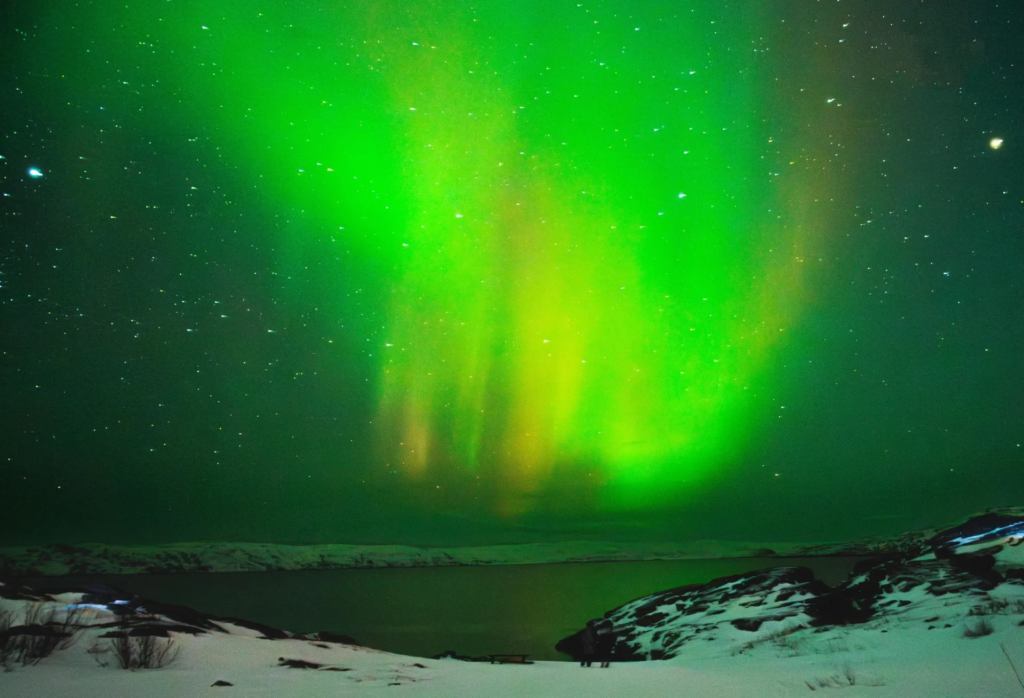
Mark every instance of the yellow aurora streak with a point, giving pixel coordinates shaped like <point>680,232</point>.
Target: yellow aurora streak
<point>558,309</point>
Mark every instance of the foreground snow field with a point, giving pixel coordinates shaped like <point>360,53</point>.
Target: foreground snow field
<point>906,662</point>
<point>944,620</point>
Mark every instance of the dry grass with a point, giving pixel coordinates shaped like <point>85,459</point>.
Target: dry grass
<point>135,652</point>
<point>841,679</point>
<point>995,607</point>
<point>979,629</point>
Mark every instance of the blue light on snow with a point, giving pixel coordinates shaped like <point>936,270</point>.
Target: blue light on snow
<point>35,172</point>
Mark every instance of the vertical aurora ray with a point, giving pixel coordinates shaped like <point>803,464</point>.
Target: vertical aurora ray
<point>581,260</point>
<point>585,291</point>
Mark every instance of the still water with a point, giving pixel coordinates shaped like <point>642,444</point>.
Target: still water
<point>424,611</point>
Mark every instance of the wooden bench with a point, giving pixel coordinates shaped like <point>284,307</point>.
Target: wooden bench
<point>510,659</point>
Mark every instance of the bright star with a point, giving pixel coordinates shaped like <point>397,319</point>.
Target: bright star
<point>35,172</point>
<point>996,143</point>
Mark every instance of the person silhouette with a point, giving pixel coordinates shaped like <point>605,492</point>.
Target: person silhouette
<point>605,644</point>
<point>588,642</point>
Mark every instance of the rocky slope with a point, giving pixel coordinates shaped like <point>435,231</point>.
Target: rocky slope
<point>955,579</point>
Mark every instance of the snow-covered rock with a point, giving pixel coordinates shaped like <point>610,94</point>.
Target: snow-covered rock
<point>953,579</point>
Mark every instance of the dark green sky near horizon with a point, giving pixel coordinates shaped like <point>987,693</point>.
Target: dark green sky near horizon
<point>447,273</point>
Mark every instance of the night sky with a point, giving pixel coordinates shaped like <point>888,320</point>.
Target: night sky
<point>442,273</point>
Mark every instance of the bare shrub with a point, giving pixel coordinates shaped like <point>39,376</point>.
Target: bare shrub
<point>785,640</point>
<point>70,626</point>
<point>124,651</point>
<point>36,644</point>
<point>97,651</point>
<point>980,629</point>
<point>832,646</point>
<point>154,653</point>
<point>135,652</point>
<point>6,642</point>
<point>990,607</point>
<point>847,677</point>
<point>998,607</point>
<point>837,680</point>
<point>39,635</point>
<point>995,606</point>
<point>780,637</point>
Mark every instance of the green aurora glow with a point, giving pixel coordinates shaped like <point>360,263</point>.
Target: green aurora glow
<point>574,216</point>
<point>552,254</point>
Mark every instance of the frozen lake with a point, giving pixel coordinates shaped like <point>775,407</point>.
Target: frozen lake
<point>427,610</point>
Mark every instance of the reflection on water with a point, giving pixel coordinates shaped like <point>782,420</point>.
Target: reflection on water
<point>424,611</point>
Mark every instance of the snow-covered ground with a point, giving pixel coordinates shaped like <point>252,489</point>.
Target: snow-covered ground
<point>907,661</point>
<point>945,620</point>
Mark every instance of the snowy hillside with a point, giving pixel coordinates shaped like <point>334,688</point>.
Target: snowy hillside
<point>966,582</point>
<point>61,559</point>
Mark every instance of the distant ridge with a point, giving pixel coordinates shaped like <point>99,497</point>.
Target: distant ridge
<point>95,558</point>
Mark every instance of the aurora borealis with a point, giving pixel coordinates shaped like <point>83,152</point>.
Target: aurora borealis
<point>439,272</point>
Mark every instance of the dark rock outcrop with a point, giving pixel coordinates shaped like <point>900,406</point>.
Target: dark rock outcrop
<point>964,562</point>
